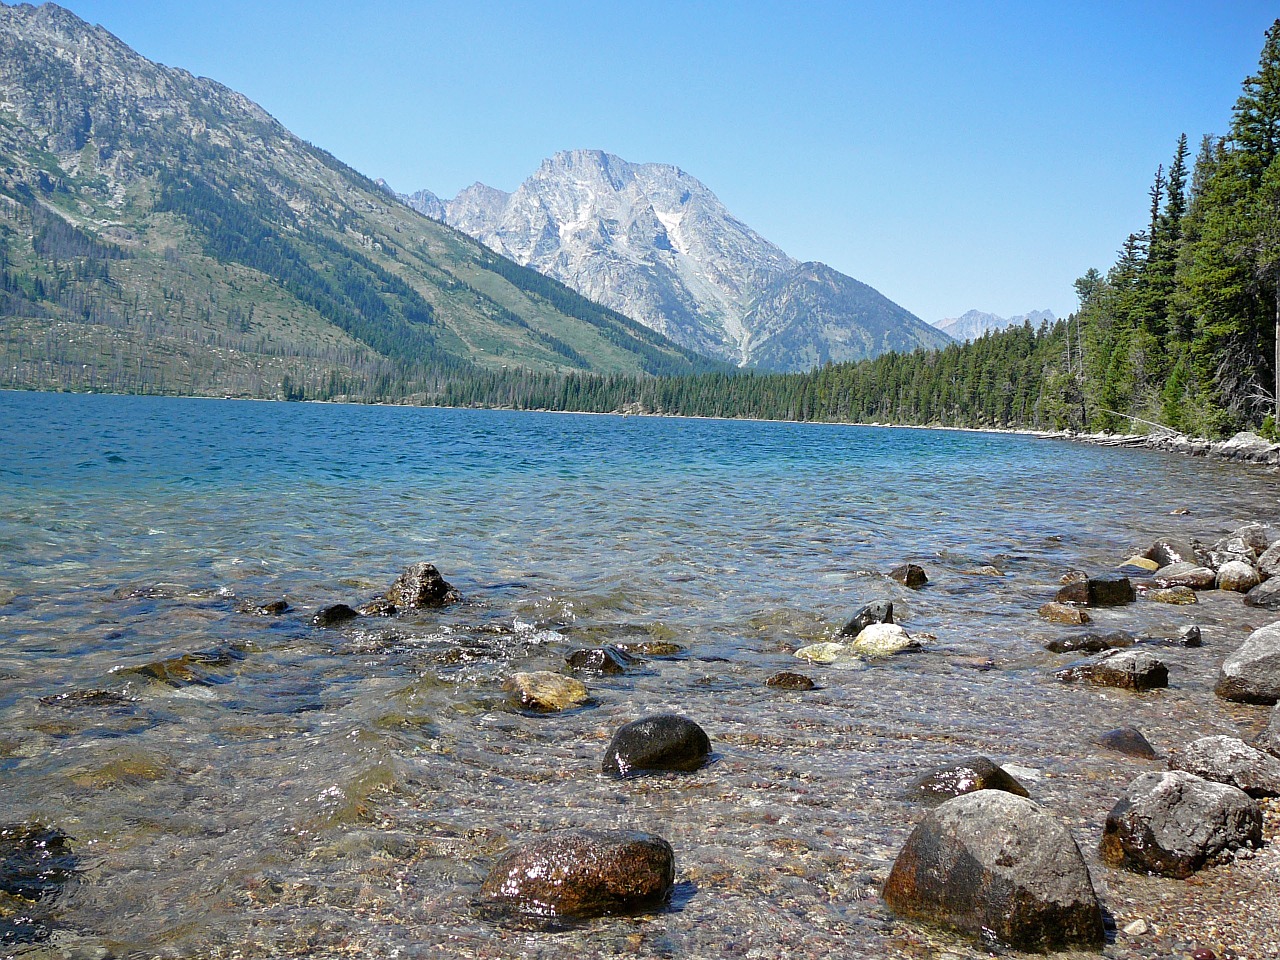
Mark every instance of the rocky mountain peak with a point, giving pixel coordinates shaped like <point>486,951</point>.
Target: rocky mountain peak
<point>655,243</point>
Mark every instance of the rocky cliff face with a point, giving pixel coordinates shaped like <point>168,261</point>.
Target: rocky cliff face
<point>974,323</point>
<point>655,244</point>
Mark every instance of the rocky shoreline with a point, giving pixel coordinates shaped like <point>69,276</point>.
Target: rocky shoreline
<point>1244,447</point>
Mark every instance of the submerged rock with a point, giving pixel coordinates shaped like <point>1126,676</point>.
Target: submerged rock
<point>333,615</point>
<point>879,612</point>
<point>545,691</point>
<point>189,669</point>
<point>663,742</point>
<point>377,607</point>
<point>271,609</point>
<point>1128,669</point>
<point>1129,741</point>
<point>1172,824</point>
<point>1252,673</point>
<point>825,652</point>
<point>993,864</point>
<point>1174,595</point>
<point>1090,642</point>
<point>909,575</point>
<point>579,874</point>
<point>421,585</point>
<point>1231,761</point>
<point>1063,613</point>
<point>35,860</point>
<point>883,640</point>
<point>650,648</point>
<point>966,776</point>
<point>787,680</point>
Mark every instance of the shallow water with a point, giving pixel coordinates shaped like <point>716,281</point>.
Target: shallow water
<point>341,791</point>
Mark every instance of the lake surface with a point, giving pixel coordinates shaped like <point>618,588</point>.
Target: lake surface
<point>297,790</point>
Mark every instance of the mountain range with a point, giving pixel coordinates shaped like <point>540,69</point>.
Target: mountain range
<point>655,244</point>
<point>161,232</point>
<point>974,323</point>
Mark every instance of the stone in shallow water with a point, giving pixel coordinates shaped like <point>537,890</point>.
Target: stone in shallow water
<point>883,640</point>
<point>421,585</point>
<point>35,860</point>
<point>1090,642</point>
<point>545,691</point>
<point>1252,673</point>
<point>826,652</point>
<point>604,660</point>
<point>909,575</point>
<point>377,607</point>
<point>333,615</point>
<point>1265,595</point>
<point>1172,824</point>
<point>1063,613</point>
<point>1128,669</point>
<point>1129,741</point>
<point>1186,575</point>
<point>966,776</point>
<point>663,742</point>
<point>579,874</point>
<point>1169,550</point>
<point>1174,595</point>
<point>787,680</point>
<point>879,612</point>
<point>1238,576</point>
<point>650,648</point>
<point>993,864</point>
<point>1110,591</point>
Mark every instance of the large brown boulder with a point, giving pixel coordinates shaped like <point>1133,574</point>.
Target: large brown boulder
<point>1172,824</point>
<point>993,864</point>
<point>577,874</point>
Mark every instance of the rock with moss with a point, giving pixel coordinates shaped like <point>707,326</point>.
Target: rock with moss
<point>545,692</point>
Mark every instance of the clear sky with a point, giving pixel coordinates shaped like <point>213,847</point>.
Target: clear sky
<point>954,155</point>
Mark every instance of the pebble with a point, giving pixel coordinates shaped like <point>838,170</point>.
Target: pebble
<point>1136,929</point>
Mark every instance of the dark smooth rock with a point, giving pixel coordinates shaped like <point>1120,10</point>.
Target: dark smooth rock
<point>1169,550</point>
<point>422,586</point>
<point>1186,575</point>
<point>333,615</point>
<point>790,681</point>
<point>1063,613</point>
<point>909,575</point>
<point>879,612</point>
<point>663,742</point>
<point>578,874</point>
<point>993,864</point>
<point>1091,642</point>
<point>604,660</point>
<point>1231,761</point>
<point>957,779</point>
<point>377,607</point>
<point>1265,595</point>
<point>1252,673</point>
<point>1128,669</point>
<point>272,609</point>
<point>1129,741</point>
<point>1172,824</point>
<point>1110,591</point>
<point>35,860</point>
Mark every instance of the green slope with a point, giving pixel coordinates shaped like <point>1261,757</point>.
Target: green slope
<point>161,232</point>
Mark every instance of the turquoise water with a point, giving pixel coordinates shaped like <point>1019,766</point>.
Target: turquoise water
<point>324,790</point>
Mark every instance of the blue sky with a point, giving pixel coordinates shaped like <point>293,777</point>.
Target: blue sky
<point>954,155</point>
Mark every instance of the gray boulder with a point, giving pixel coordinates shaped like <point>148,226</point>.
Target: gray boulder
<point>578,874</point>
<point>1169,550</point>
<point>1186,575</point>
<point>993,864</point>
<point>1231,761</point>
<point>879,612</point>
<point>1270,739</point>
<point>1269,562</point>
<point>1252,673</point>
<point>1172,824</point>
<point>1265,595</point>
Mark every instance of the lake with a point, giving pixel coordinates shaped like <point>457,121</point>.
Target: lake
<point>294,790</point>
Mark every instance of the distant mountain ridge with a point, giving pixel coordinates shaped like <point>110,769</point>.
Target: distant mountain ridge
<point>974,323</point>
<point>655,244</point>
